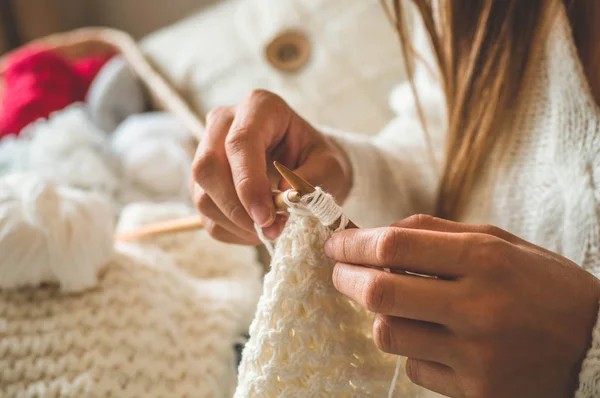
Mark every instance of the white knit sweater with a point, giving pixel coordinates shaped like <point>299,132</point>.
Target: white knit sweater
<point>546,191</point>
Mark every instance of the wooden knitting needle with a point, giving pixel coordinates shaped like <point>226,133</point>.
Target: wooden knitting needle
<point>159,228</point>
<point>303,188</point>
<point>193,223</point>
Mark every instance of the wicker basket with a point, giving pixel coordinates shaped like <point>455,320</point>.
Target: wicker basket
<point>94,41</point>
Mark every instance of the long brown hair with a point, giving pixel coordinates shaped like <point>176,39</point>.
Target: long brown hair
<point>483,49</point>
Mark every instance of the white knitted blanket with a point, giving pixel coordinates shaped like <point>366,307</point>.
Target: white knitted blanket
<point>161,319</point>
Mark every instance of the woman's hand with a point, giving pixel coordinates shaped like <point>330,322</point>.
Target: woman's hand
<point>231,187</point>
<point>504,318</point>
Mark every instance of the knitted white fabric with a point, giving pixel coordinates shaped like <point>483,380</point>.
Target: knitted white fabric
<point>307,339</point>
<point>154,325</point>
<point>545,190</point>
<point>345,84</point>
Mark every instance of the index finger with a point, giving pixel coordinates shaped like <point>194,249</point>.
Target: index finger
<point>425,252</point>
<point>256,128</point>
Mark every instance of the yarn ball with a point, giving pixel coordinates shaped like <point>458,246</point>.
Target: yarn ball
<point>87,68</point>
<point>115,94</point>
<point>156,153</point>
<point>51,234</point>
<point>71,150</point>
<point>37,82</point>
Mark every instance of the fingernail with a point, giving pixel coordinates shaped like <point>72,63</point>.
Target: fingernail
<point>261,215</point>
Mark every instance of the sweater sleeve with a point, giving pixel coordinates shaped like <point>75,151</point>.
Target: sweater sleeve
<point>589,377</point>
<point>395,174</point>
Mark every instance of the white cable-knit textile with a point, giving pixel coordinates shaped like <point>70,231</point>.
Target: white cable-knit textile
<point>546,189</point>
<point>161,321</point>
<point>307,339</point>
<point>345,83</point>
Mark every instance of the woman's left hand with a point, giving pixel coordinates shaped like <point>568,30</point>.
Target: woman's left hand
<point>503,318</point>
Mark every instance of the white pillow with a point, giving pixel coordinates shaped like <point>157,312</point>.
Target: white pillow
<point>217,56</point>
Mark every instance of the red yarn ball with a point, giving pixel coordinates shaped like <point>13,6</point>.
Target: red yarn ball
<point>87,68</point>
<point>38,81</point>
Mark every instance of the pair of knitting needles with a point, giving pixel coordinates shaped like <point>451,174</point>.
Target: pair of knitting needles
<point>300,188</point>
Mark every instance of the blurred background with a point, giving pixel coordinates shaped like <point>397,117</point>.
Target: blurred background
<point>24,20</point>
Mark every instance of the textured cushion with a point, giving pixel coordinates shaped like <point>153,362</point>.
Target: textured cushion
<point>217,56</point>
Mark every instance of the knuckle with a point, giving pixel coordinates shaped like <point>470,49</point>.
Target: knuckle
<point>239,139</point>
<point>492,230</point>
<point>344,247</point>
<point>204,165</point>
<point>375,293</point>
<point>337,276</point>
<point>245,186</point>
<point>418,220</point>
<point>236,212</point>
<point>218,113</point>
<point>487,250</point>
<point>386,246</point>
<point>204,203</point>
<point>260,95</point>
<point>383,334</point>
<point>211,228</point>
<point>413,371</point>
<point>487,318</point>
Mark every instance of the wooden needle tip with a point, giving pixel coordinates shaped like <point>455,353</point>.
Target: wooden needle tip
<point>303,187</point>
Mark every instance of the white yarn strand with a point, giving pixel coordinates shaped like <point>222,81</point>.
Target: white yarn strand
<point>268,244</point>
<point>318,204</point>
<point>322,206</point>
<point>395,379</point>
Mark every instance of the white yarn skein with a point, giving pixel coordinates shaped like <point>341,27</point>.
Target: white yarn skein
<point>70,149</point>
<point>52,234</point>
<point>156,153</point>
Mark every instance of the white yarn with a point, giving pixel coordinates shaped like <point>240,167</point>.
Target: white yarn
<point>268,244</point>
<point>71,150</point>
<point>13,154</point>
<point>318,204</point>
<point>148,157</point>
<point>156,152</point>
<point>322,205</point>
<point>396,376</point>
<point>51,234</point>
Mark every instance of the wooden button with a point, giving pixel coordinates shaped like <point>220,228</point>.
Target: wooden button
<point>289,51</point>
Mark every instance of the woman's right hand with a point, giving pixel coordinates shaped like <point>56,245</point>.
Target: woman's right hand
<point>230,183</point>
